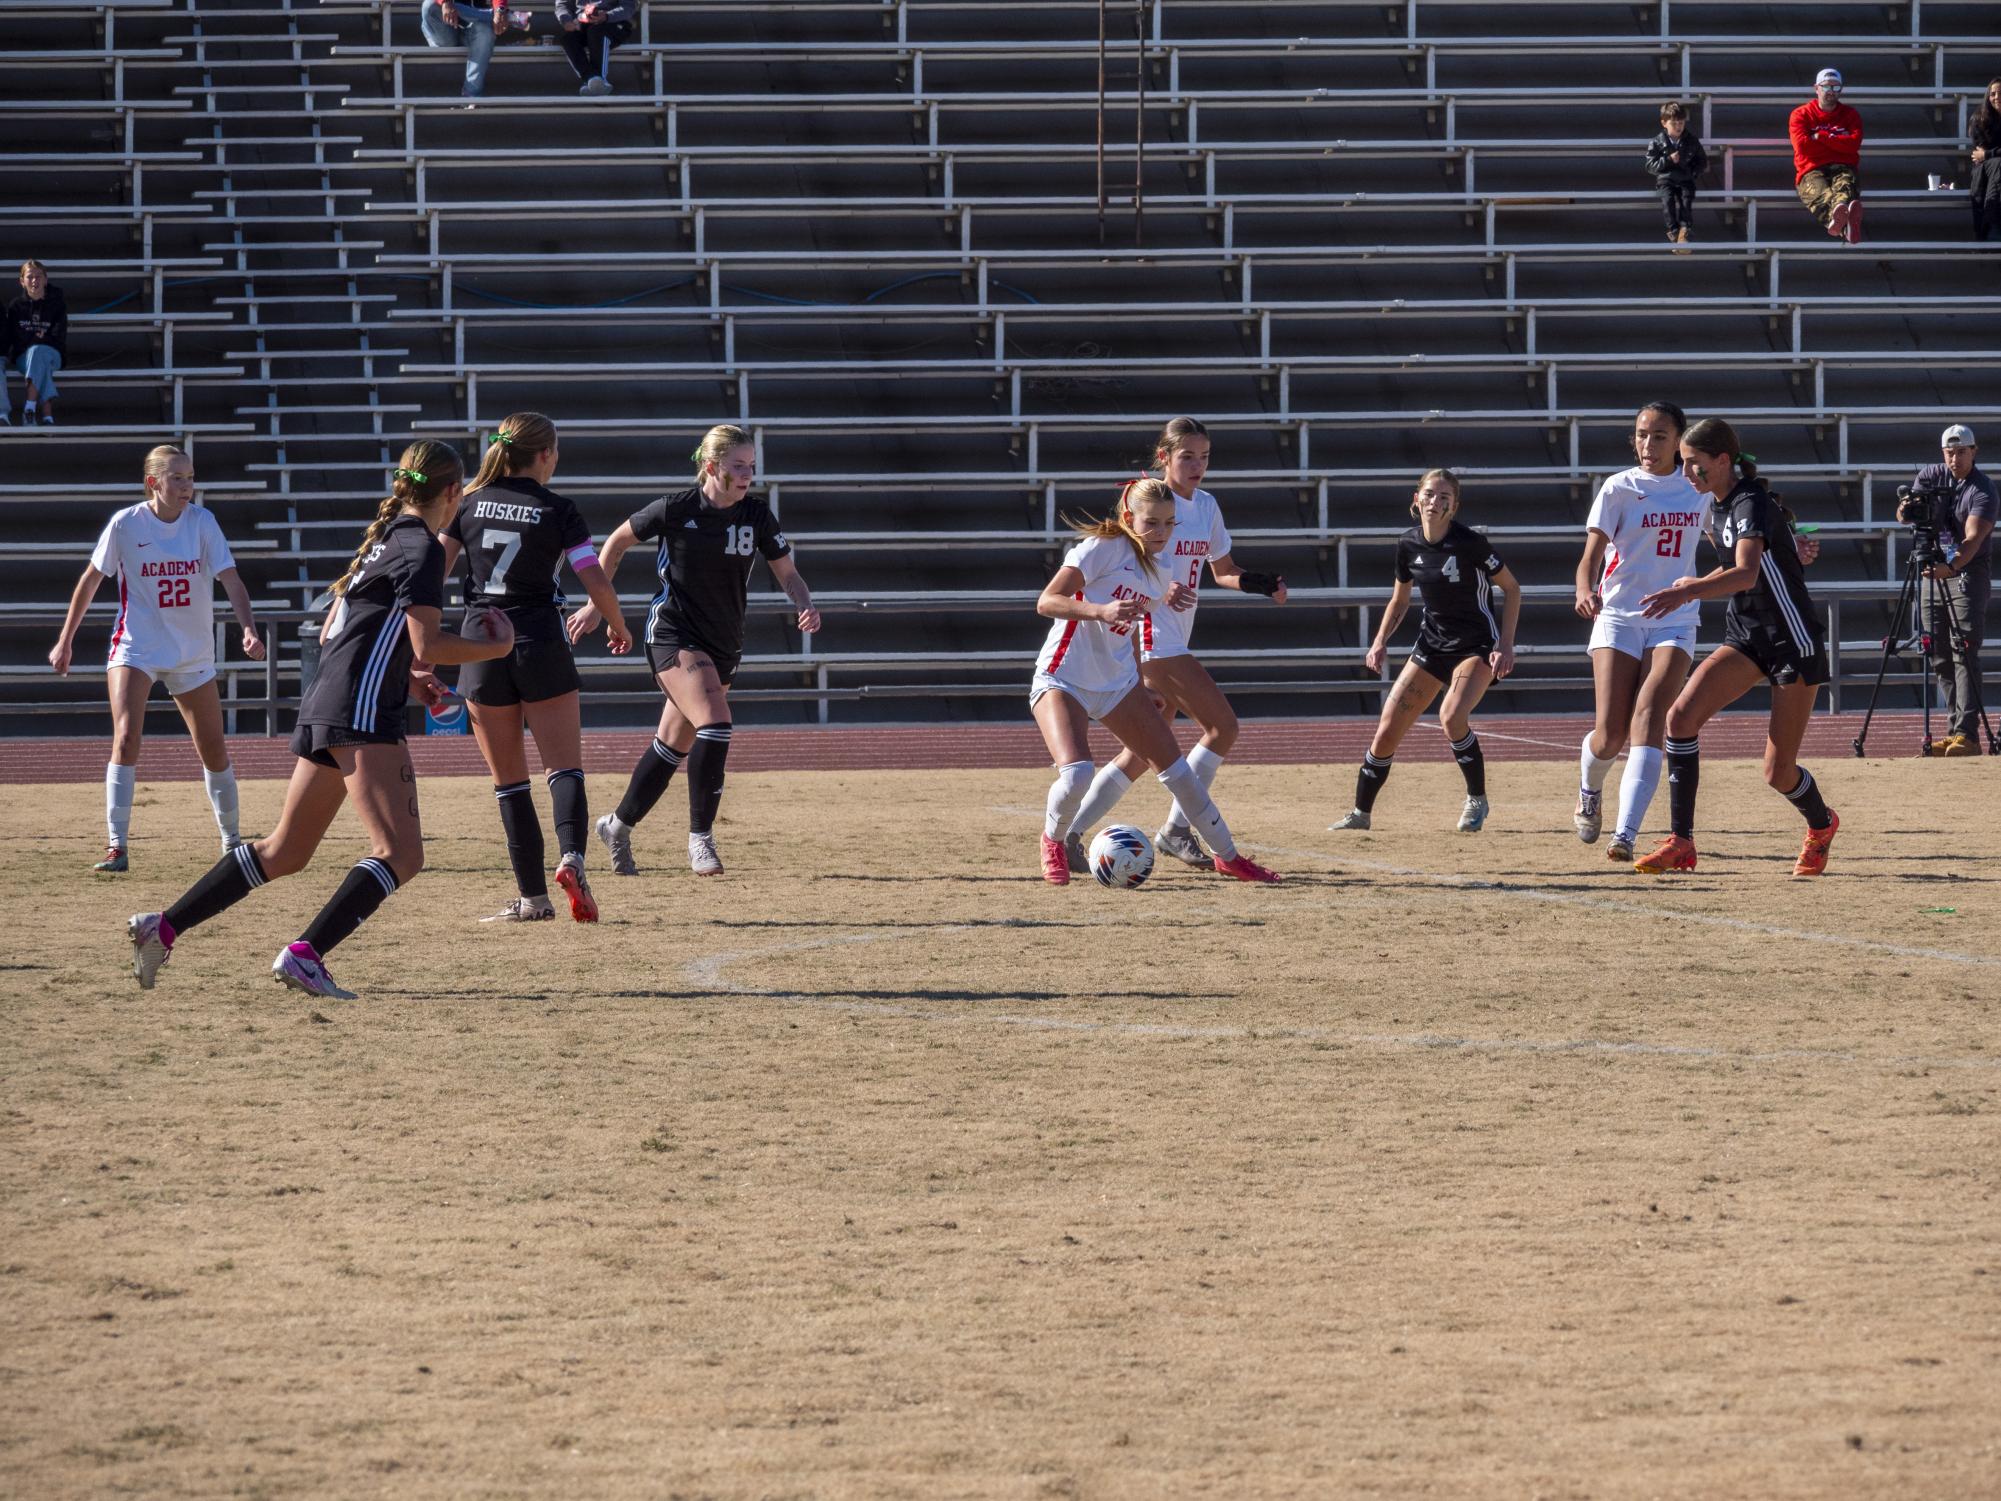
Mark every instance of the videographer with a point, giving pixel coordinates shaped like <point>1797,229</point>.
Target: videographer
<point>1961,503</point>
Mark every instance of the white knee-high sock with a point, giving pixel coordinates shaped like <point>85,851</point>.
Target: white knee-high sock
<point>1204,763</point>
<point>221,787</point>
<point>1180,779</point>
<point>118,783</point>
<point>1636,789</point>
<point>1065,793</point>
<point>1591,770</point>
<point>1107,787</point>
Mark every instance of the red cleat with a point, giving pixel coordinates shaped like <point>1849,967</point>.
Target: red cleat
<point>1244,868</point>
<point>1672,853</point>
<point>1813,854</point>
<point>570,876</point>
<point>1055,862</point>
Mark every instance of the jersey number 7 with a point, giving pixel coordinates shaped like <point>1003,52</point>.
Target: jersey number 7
<point>509,544</point>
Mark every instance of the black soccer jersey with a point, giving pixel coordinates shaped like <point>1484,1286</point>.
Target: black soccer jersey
<point>1778,600</point>
<point>704,562</point>
<point>1452,576</point>
<point>516,535</point>
<point>364,676</point>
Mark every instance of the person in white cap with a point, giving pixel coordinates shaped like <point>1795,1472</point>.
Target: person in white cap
<point>1827,153</point>
<point>1964,579</point>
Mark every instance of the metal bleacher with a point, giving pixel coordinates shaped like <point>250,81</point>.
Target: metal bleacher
<point>1359,239</point>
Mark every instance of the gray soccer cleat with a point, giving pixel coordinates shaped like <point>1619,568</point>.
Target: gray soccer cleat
<point>1620,850</point>
<point>702,857</point>
<point>525,909</point>
<point>1356,819</point>
<point>1173,839</point>
<point>1473,817</point>
<point>1075,856</point>
<point>300,968</point>
<point>150,949</point>
<point>1590,814</point>
<point>618,844</point>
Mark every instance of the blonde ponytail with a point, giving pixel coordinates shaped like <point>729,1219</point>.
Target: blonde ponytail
<point>513,447</point>
<point>1136,492</point>
<point>426,470</point>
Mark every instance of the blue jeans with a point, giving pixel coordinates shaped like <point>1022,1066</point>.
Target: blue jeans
<point>474,32</point>
<point>39,363</point>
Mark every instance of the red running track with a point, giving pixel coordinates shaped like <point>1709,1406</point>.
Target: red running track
<point>169,756</point>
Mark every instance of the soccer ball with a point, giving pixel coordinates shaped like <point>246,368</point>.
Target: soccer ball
<point>1121,857</point>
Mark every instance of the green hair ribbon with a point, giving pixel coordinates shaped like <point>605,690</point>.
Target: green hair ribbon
<point>696,456</point>
<point>415,477</point>
<point>503,438</point>
<point>1747,458</point>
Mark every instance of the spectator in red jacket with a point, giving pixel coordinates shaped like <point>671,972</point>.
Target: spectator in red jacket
<point>1827,149</point>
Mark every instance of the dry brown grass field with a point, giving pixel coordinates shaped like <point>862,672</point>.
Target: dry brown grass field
<point>1455,1166</point>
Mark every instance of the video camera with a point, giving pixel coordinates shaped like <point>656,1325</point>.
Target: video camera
<point>1929,512</point>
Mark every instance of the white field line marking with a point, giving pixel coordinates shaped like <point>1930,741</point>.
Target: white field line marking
<point>1531,740</point>
<point>707,972</point>
<point>1610,904</point>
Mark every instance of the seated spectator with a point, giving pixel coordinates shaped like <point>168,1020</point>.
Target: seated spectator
<point>590,30</point>
<point>1827,151</point>
<point>1985,188</point>
<point>1676,159</point>
<point>447,24</point>
<point>37,334</point>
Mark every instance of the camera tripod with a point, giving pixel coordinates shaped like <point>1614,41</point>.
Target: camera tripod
<point>1925,592</point>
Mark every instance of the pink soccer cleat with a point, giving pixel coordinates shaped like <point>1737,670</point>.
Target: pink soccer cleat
<point>1244,868</point>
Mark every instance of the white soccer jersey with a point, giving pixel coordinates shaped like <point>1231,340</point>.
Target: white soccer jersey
<point>1654,522</point>
<point>1090,654</point>
<point>1199,535</point>
<point>166,586</point>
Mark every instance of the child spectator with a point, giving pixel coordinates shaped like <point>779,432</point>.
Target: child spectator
<point>1676,159</point>
<point>1827,150</point>
<point>36,335</point>
<point>591,28</point>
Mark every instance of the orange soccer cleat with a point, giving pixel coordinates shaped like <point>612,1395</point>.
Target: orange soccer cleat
<point>1813,854</point>
<point>1672,853</point>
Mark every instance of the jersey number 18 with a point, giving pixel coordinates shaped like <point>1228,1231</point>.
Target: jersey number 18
<point>737,540</point>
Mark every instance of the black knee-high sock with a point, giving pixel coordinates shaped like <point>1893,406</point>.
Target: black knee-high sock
<point>649,782</point>
<point>705,775</point>
<point>573,814</point>
<point>228,882</point>
<point>524,838</point>
<point>366,887</point>
<point>1369,780</point>
<point>1472,764</point>
<point>1684,769</point>
<point>1806,797</point>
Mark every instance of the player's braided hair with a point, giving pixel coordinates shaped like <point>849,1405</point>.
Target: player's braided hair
<point>513,447</point>
<point>1143,490</point>
<point>426,470</point>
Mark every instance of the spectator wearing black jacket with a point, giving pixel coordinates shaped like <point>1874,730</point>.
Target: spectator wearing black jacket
<point>591,28</point>
<point>1985,189</point>
<point>1676,159</point>
<point>37,333</point>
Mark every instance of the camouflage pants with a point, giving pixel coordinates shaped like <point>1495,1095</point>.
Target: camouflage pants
<point>1822,188</point>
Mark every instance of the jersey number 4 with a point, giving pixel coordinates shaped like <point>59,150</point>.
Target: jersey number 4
<point>173,592</point>
<point>737,540</point>
<point>1451,570</point>
<point>1669,545</point>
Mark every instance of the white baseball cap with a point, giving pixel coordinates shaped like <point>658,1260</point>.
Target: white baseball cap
<point>1959,435</point>
<point>1827,75</point>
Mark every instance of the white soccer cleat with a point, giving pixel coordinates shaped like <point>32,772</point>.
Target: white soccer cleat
<point>1620,850</point>
<point>570,877</point>
<point>150,947</point>
<point>298,967</point>
<point>618,844</point>
<point>525,909</point>
<point>1473,817</point>
<point>1181,843</point>
<point>1589,817</point>
<point>702,857</point>
<point>1356,819</point>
